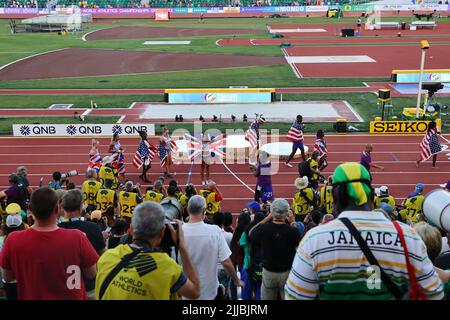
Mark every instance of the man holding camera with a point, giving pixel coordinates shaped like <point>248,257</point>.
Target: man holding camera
<point>207,246</point>
<point>340,259</point>
<point>141,270</point>
<point>129,199</point>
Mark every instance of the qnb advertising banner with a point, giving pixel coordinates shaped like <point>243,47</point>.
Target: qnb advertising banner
<point>80,130</point>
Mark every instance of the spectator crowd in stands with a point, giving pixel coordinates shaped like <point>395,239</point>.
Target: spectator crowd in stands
<point>112,240</point>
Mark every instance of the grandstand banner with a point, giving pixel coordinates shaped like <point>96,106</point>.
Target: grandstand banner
<point>357,7</point>
<point>316,8</point>
<point>161,15</point>
<point>81,130</point>
<point>402,127</point>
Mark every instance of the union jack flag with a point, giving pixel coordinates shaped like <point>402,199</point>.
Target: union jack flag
<point>216,146</point>
<point>145,149</point>
<point>118,159</point>
<point>95,161</point>
<point>429,145</point>
<point>321,146</point>
<point>295,133</point>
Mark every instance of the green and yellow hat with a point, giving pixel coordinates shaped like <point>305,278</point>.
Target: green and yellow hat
<point>357,180</point>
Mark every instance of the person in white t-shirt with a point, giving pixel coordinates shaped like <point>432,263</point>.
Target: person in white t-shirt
<point>207,246</point>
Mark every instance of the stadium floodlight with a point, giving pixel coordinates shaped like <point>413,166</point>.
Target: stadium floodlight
<point>425,46</point>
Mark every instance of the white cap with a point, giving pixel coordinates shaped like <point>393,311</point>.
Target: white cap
<point>383,189</point>
<point>377,192</point>
<point>13,220</point>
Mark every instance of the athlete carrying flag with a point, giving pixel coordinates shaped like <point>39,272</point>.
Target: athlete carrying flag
<point>430,145</point>
<point>144,155</point>
<point>252,135</point>
<point>295,134</point>
<point>206,148</point>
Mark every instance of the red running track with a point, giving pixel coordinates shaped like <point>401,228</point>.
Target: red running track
<point>396,153</point>
<point>387,58</point>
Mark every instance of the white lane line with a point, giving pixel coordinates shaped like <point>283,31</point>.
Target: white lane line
<point>234,175</point>
<point>85,113</point>
<point>354,111</point>
<point>292,65</point>
<point>121,119</point>
<point>217,42</point>
<point>29,57</point>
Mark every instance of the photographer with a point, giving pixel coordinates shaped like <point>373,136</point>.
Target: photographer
<point>57,182</point>
<point>90,189</point>
<point>106,200</point>
<point>108,172</point>
<point>128,265</point>
<point>128,200</point>
<point>157,193</point>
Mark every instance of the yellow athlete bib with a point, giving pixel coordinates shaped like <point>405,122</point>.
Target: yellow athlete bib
<point>329,201</point>
<point>389,200</point>
<point>300,204</point>
<point>90,189</point>
<point>212,206</point>
<point>413,208</point>
<point>107,173</point>
<point>105,200</point>
<point>153,196</point>
<point>127,201</point>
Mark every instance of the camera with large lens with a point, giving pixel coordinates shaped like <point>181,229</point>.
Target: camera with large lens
<point>436,208</point>
<point>71,173</point>
<point>173,211</point>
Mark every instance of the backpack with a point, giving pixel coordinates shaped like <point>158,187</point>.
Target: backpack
<point>255,268</point>
<point>304,169</point>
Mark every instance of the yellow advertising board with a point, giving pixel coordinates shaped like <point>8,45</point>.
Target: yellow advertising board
<point>401,127</point>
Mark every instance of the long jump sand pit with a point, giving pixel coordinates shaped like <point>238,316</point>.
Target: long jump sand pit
<point>77,62</point>
<point>161,32</point>
<point>323,111</point>
<point>362,61</point>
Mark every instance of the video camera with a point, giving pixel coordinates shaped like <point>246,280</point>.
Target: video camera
<point>173,211</point>
<point>436,208</point>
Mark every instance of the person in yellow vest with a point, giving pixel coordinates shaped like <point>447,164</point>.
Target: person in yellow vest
<point>213,198</point>
<point>106,200</point>
<point>385,197</point>
<point>108,172</point>
<point>90,189</point>
<point>326,196</point>
<point>147,273</point>
<point>156,193</point>
<point>304,199</point>
<point>412,211</point>
<point>128,200</point>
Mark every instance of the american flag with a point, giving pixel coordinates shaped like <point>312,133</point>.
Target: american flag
<point>295,133</point>
<point>320,146</point>
<point>429,145</point>
<point>144,149</point>
<point>118,161</point>
<point>252,134</point>
<point>163,153</point>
